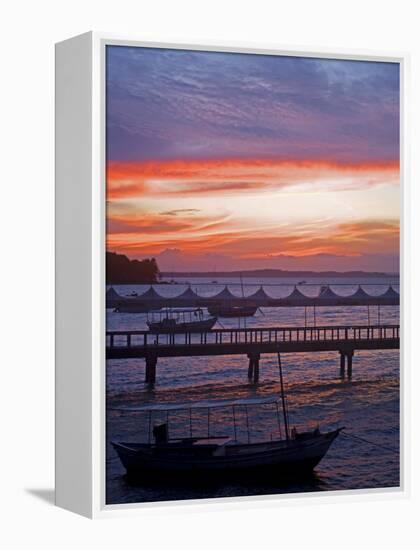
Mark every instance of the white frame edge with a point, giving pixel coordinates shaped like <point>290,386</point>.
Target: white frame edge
<point>73,203</point>
<point>80,278</point>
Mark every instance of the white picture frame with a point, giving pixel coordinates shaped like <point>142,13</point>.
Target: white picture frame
<point>80,271</point>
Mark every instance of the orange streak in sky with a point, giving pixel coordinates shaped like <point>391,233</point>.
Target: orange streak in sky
<point>141,229</point>
<point>185,178</point>
<point>349,239</point>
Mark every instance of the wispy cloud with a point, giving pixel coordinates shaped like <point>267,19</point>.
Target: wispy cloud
<point>251,159</point>
<point>168,104</point>
<point>350,239</point>
<point>235,176</point>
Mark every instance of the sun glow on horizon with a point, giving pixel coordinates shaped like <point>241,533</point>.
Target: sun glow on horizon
<point>253,209</point>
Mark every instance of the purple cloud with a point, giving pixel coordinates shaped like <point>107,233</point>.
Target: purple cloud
<point>168,104</point>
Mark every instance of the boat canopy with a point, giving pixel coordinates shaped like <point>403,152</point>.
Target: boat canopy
<point>178,310</point>
<point>199,405</point>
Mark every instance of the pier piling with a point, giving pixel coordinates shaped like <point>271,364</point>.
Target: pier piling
<point>151,362</point>
<point>250,367</point>
<point>254,367</point>
<point>350,364</point>
<point>342,364</point>
<point>252,343</point>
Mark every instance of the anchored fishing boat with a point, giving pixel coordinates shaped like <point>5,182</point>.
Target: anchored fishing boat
<point>284,452</point>
<point>180,320</point>
<point>132,307</point>
<point>232,311</point>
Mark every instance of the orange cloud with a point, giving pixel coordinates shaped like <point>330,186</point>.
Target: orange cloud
<point>235,176</point>
<point>349,239</point>
<point>164,217</point>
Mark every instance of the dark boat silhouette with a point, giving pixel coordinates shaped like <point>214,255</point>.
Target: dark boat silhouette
<point>296,453</point>
<point>299,453</point>
<point>232,311</point>
<point>181,320</point>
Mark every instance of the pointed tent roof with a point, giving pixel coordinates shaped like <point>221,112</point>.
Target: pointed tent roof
<point>224,294</point>
<point>359,294</point>
<point>188,294</point>
<point>112,297</point>
<point>327,293</point>
<point>259,295</point>
<point>150,294</point>
<point>111,294</point>
<point>390,293</point>
<point>296,294</point>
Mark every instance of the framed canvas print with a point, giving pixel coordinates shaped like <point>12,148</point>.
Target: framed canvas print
<point>228,273</point>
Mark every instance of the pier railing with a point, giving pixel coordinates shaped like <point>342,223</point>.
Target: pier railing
<point>241,336</point>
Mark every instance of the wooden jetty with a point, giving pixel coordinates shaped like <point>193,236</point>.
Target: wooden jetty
<point>252,342</point>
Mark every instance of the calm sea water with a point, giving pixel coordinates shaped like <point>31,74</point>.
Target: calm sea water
<point>368,405</point>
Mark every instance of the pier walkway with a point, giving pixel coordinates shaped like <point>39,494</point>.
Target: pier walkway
<point>251,342</point>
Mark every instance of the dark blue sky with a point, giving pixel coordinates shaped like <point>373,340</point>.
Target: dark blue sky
<point>175,104</point>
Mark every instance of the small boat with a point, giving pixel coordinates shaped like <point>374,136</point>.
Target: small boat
<point>181,320</point>
<point>288,452</point>
<point>190,455</point>
<point>232,311</point>
<point>301,283</point>
<point>132,307</point>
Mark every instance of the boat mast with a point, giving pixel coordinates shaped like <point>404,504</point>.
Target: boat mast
<point>283,399</point>
<point>243,296</point>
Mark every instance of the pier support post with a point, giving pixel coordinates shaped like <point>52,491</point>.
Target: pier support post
<point>250,367</point>
<point>350,364</point>
<point>151,362</point>
<point>254,367</point>
<point>342,364</point>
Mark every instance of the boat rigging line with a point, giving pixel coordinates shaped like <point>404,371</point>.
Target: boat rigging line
<point>395,451</point>
<point>283,399</point>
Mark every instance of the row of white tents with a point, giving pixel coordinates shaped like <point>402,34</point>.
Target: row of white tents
<point>326,297</point>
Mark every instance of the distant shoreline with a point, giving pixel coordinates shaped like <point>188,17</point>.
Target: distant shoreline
<point>268,273</point>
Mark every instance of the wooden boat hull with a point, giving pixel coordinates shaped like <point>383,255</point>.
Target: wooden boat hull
<point>231,312</point>
<point>280,457</point>
<point>134,308</point>
<point>195,327</point>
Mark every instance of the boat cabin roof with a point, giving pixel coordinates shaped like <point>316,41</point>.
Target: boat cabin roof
<point>183,310</point>
<point>219,441</point>
<point>200,405</point>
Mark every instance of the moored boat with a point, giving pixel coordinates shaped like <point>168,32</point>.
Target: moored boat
<point>132,306</point>
<point>232,311</point>
<point>300,453</point>
<point>181,320</point>
<point>289,451</point>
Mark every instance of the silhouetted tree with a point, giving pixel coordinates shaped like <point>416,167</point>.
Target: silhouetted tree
<point>122,270</point>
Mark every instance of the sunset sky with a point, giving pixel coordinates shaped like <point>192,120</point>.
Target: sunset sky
<point>220,161</point>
